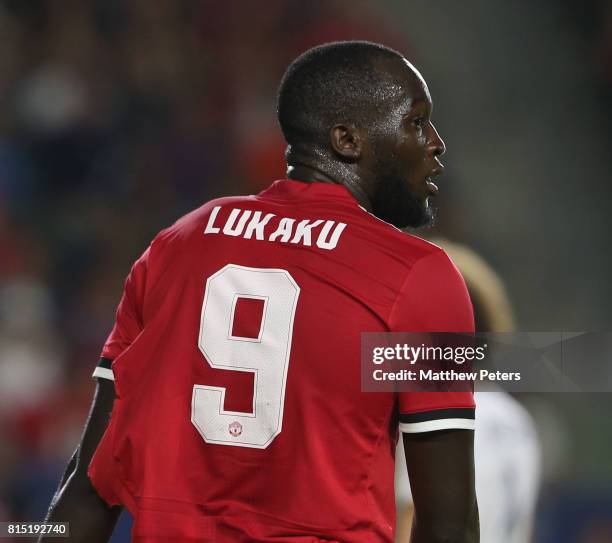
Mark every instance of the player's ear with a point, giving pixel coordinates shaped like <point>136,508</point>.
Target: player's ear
<point>346,141</point>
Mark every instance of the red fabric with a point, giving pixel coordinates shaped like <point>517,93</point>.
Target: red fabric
<point>128,323</point>
<point>433,298</point>
<point>328,474</point>
<point>248,315</point>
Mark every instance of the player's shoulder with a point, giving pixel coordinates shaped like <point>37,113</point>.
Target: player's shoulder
<point>194,221</point>
<point>412,248</point>
<point>422,248</point>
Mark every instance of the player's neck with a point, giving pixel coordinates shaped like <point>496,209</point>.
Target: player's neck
<point>308,174</point>
<point>313,175</point>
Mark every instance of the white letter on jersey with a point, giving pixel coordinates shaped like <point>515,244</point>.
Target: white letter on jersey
<point>229,229</point>
<point>267,356</point>
<point>303,231</point>
<point>210,229</point>
<point>331,243</point>
<point>256,225</point>
<point>284,230</point>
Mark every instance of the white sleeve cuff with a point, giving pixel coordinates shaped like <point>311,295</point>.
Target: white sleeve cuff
<point>104,373</point>
<point>439,424</point>
<point>449,418</point>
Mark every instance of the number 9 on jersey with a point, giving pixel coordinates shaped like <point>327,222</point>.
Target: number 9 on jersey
<point>266,354</point>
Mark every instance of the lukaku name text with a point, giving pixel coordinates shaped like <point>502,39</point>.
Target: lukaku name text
<point>249,224</point>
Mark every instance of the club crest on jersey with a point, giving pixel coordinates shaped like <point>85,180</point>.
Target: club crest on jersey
<point>235,429</point>
<point>247,224</point>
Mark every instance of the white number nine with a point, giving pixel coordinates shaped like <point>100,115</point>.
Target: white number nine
<point>267,356</point>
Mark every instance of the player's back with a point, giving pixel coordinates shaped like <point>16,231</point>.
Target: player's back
<point>240,414</point>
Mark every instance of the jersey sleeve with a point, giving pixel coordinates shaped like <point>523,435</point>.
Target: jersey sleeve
<point>434,298</point>
<point>128,319</point>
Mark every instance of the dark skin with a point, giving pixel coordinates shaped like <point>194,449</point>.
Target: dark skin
<point>76,501</point>
<point>388,169</point>
<point>441,471</point>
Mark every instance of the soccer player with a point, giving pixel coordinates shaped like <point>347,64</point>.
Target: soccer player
<point>232,374</point>
<point>506,448</point>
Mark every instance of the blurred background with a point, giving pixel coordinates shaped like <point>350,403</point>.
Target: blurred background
<point>118,116</point>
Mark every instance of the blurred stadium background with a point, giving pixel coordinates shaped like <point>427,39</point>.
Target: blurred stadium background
<point>117,116</point>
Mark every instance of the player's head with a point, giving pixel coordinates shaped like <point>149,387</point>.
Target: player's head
<point>359,113</point>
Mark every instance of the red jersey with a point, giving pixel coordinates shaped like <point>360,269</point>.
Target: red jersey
<point>236,358</point>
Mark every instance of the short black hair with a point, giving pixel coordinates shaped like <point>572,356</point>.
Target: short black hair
<point>331,83</point>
